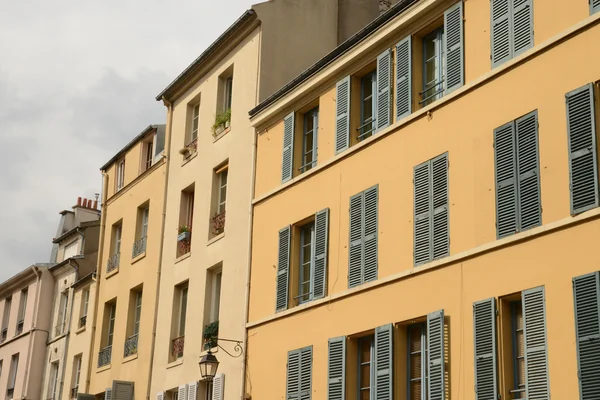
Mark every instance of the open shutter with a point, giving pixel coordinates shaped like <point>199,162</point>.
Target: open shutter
<point>454,47</point>
<point>435,356</point>
<point>581,129</point>
<point>422,213</point>
<point>586,293</point>
<point>292,388</point>
<point>383,362</point>
<point>371,200</point>
<point>306,373</point>
<point>218,390</point>
<point>501,31</point>
<point>536,357</point>
<point>159,396</point>
<point>321,246</point>
<point>283,268</point>
<point>506,180</point>
<point>342,115</point>
<point>122,390</point>
<point>383,102</point>
<point>287,161</point>
<point>192,393</point>
<point>441,234</point>
<point>404,78</point>
<point>528,171</point>
<point>355,247</point>
<point>522,25</point>
<point>108,394</point>
<point>182,392</point>
<point>336,369</point>
<point>83,396</point>
<point>594,6</point>
<point>486,375</point>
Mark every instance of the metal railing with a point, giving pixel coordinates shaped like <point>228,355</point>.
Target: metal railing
<point>433,95</point>
<point>131,346</point>
<point>363,132</point>
<point>139,247</point>
<point>218,223</point>
<point>59,329</point>
<point>113,262</point>
<point>177,347</point>
<point>104,356</point>
<point>184,246</point>
<point>82,321</point>
<point>74,392</point>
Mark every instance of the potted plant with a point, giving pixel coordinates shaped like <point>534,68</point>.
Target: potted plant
<point>210,334</point>
<point>221,122</point>
<point>185,232</point>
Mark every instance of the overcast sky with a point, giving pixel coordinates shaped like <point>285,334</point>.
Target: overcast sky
<point>78,80</point>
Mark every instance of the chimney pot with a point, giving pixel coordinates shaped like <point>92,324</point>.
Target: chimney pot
<point>95,204</point>
<point>79,201</point>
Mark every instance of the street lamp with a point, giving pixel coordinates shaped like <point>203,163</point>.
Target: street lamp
<point>208,366</point>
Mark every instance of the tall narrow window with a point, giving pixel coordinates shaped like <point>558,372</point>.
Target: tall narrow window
<point>307,264</point>
<point>368,92</point>
<point>222,189</point>
<point>71,250</point>
<point>6,318</point>
<point>186,219</point>
<point>366,370</point>
<point>417,362</point>
<point>228,95</point>
<point>147,153</point>
<point>76,375</point>
<point>61,319</point>
<point>220,202</point>
<point>135,314</point>
<point>105,355</point>
<point>181,298</point>
<point>139,246</point>
<point>85,299</point>
<point>53,381</point>
<point>159,143</point>
<point>518,356</point>
<point>214,277</point>
<point>22,310</point>
<point>120,177</point>
<point>310,139</point>
<point>12,378</point>
<point>434,66</point>
<point>195,122</point>
<point>115,255</point>
<point>362,257</point>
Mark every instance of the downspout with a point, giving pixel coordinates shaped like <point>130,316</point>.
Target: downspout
<point>162,233</point>
<point>66,348</point>
<point>32,331</point>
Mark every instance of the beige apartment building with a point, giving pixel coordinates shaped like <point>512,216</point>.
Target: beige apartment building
<point>204,280</point>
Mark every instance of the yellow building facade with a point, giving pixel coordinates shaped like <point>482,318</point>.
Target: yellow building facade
<point>425,206</point>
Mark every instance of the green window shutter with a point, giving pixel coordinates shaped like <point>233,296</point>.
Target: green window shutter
<point>384,362</point>
<point>528,171</point>
<point>306,373</point>
<point>506,180</point>
<point>108,394</point>
<point>522,26</point>
<point>287,162</point>
<point>404,78</point>
<point>342,115</point>
<point>122,390</point>
<point>336,369</point>
<point>422,245</point>
<point>355,247</point>
<point>383,102</point>
<point>454,47</point>
<point>486,374</point>
<point>435,356</point>
<point>583,163</point>
<point>594,6</point>
<point>586,293</point>
<point>371,200</point>
<point>321,247</point>
<point>440,217</point>
<point>501,31</point>
<point>283,268</point>
<point>536,356</point>
<point>292,386</point>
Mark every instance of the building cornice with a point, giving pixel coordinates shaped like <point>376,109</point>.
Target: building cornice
<point>22,279</point>
<point>129,145</point>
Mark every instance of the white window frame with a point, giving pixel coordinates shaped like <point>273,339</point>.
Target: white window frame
<point>14,367</point>
<point>120,174</point>
<point>195,122</point>
<point>304,241</point>
<point>228,93</point>
<point>183,297</point>
<point>145,217</point>
<point>112,310</point>
<point>85,294</point>
<point>23,304</point>
<point>138,312</point>
<point>69,247</point>
<point>53,380</point>
<point>215,301</point>
<point>223,176</point>
<point>118,232</point>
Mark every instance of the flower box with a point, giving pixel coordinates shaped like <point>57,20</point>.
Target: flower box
<point>184,236</point>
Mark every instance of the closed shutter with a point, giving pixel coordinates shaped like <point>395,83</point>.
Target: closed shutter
<point>422,213</point>
<point>306,373</point>
<point>383,102</point>
<point>528,171</point>
<point>506,180</point>
<point>192,393</point>
<point>404,78</point>
<point>594,6</point>
<point>454,47</point>
<point>383,362</point>
<point>581,129</point>
<point>108,394</point>
<point>287,161</point>
<point>122,390</point>
<point>159,396</point>
<point>292,387</point>
<point>283,268</point>
<point>336,369</point>
<point>435,356</point>
<point>371,200</point>
<point>356,241</point>
<point>321,247</point>
<point>536,357</point>
<point>342,115</point>
<point>486,375</point>
<point>83,396</point>
<point>522,24</point>
<point>501,31</point>
<point>218,389</point>
<point>182,392</point>
<point>440,229</point>
<point>586,293</point>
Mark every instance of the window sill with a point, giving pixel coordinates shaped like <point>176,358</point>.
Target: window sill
<point>188,159</point>
<point>80,330</point>
<point>130,358</point>
<point>220,135</point>
<point>183,257</point>
<point>175,363</point>
<point>112,273</point>
<point>104,368</point>
<point>138,257</point>
<point>216,239</point>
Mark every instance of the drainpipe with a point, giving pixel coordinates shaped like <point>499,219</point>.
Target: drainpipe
<point>64,356</point>
<point>167,155</point>
<point>32,331</point>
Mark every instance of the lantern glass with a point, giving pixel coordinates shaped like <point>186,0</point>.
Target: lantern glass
<point>208,366</point>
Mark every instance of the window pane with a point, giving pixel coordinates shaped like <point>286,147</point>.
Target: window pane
<point>365,394</point>
<point>415,390</point>
<point>365,376</point>
<point>415,366</point>
<point>365,351</point>
<point>415,338</point>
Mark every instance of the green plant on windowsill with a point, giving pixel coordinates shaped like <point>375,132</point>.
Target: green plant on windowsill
<point>184,228</point>
<point>210,334</point>
<point>221,122</point>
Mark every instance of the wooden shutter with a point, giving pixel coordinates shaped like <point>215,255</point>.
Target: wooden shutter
<point>454,47</point>
<point>287,161</point>
<point>528,172</point>
<point>486,374</point>
<point>583,163</point>
<point>321,247</point>
<point>384,362</point>
<point>122,390</point>
<point>435,356</point>
<point>439,189</point>
<point>192,393</point>
<point>594,6</point>
<point>182,392</point>
<point>501,31</point>
<point>422,245</point>
<point>306,373</point>
<point>383,101</point>
<point>371,200</point>
<point>522,25</point>
<point>218,389</point>
<point>283,268</point>
<point>159,396</point>
<point>404,78</point>
<point>342,115</point>
<point>355,247</point>
<point>293,375</point>
<point>586,293</point>
<point>108,394</point>
<point>83,396</point>
<point>336,369</point>
<point>536,357</point>
<point>506,180</point>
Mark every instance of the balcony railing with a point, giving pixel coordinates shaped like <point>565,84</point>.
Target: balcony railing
<point>184,243</point>
<point>74,392</point>
<point>20,327</point>
<point>113,262</point>
<point>192,148</point>
<point>131,346</point>
<point>139,247</point>
<point>3,335</point>
<point>82,321</point>
<point>177,347</point>
<point>59,329</point>
<point>104,356</point>
<point>218,223</point>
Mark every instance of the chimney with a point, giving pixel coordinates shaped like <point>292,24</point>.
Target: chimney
<point>95,205</point>
<point>79,201</point>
